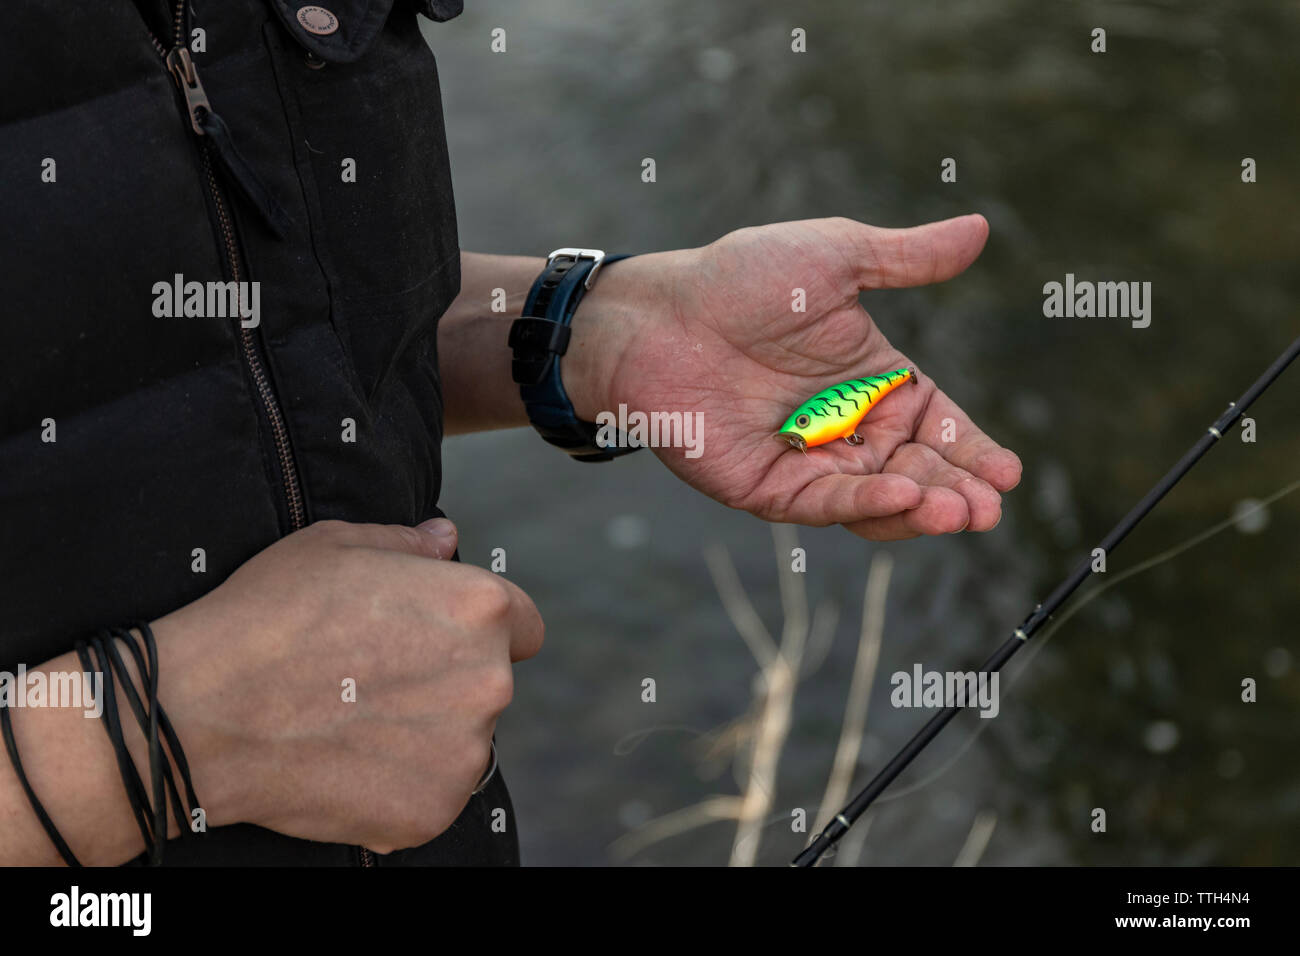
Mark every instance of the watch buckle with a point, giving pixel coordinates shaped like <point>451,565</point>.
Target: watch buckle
<point>597,256</point>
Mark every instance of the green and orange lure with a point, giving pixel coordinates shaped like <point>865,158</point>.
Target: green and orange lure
<point>835,412</point>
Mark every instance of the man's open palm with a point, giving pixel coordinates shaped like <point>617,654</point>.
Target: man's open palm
<point>734,348</point>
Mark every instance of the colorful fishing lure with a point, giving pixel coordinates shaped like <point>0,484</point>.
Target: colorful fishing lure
<point>836,411</point>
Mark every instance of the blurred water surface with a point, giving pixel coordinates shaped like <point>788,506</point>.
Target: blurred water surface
<point>1123,166</point>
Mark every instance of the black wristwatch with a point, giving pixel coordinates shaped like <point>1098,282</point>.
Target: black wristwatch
<point>541,336</point>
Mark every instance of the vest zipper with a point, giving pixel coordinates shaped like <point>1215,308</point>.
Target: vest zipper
<point>257,367</point>
<point>181,67</point>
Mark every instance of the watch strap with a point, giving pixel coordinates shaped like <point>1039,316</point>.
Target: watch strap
<point>540,337</point>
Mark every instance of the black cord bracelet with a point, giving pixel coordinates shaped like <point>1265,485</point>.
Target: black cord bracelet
<point>149,681</point>
<point>150,815</point>
<point>141,715</point>
<point>135,792</point>
<point>164,725</point>
<point>6,727</point>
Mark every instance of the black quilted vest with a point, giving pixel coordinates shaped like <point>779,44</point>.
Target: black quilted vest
<point>173,433</point>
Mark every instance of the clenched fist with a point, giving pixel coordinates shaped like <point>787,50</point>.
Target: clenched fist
<point>257,672</point>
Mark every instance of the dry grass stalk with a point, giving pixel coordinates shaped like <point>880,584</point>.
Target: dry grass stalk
<point>977,841</point>
<point>859,699</point>
<point>761,737</point>
<point>780,678</point>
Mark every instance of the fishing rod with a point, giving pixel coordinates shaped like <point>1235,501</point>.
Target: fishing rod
<point>841,822</point>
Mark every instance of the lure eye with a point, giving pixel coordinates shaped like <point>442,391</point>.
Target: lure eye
<point>802,421</point>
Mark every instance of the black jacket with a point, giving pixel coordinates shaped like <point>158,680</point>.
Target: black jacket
<point>176,433</point>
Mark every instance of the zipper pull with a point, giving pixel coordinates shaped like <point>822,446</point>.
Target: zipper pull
<point>206,123</point>
<point>181,67</point>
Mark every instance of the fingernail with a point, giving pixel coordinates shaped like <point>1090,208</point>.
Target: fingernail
<point>438,527</point>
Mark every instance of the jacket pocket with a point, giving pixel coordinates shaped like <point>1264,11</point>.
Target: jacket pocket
<point>365,109</point>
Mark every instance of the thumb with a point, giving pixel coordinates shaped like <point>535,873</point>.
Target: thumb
<point>442,534</point>
<point>920,255</point>
<point>435,538</point>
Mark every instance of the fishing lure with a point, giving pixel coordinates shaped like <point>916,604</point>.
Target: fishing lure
<point>836,411</point>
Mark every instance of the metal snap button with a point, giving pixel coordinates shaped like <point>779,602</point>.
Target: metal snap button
<point>318,20</point>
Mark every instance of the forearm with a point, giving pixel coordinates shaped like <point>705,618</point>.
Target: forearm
<point>474,357</point>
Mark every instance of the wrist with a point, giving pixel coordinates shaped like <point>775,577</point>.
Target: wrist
<point>627,299</point>
<point>192,690</point>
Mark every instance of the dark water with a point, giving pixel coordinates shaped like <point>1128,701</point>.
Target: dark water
<point>1117,166</point>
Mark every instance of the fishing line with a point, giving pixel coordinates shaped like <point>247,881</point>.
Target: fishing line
<point>1043,612</point>
<point>1167,555</point>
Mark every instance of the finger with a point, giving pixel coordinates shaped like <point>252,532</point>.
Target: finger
<point>435,538</point>
<point>926,466</point>
<point>949,431</point>
<point>941,511</point>
<point>836,499</point>
<point>516,617</point>
<point>525,624</point>
<point>482,599</point>
<point>920,255</point>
